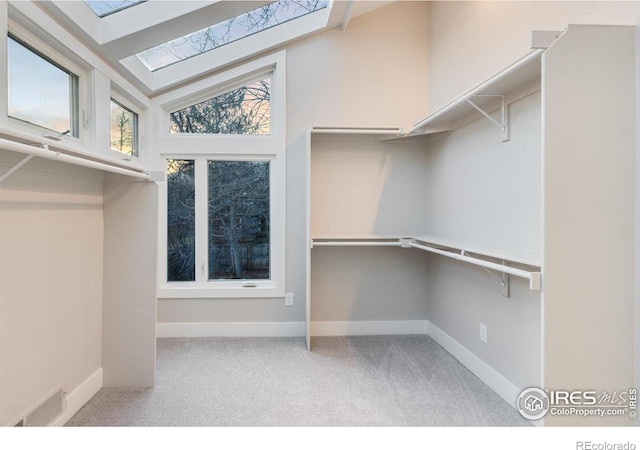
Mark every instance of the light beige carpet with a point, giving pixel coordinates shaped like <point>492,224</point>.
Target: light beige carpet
<point>344,381</point>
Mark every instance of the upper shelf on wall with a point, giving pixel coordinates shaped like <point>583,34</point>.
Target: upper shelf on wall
<point>370,131</point>
<point>511,84</point>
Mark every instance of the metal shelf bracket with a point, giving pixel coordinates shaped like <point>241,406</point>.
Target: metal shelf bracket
<point>504,281</point>
<point>9,172</point>
<point>504,117</point>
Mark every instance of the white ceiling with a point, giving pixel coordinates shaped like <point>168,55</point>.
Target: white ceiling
<point>119,36</point>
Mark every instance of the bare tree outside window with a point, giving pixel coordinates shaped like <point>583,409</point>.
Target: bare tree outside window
<point>231,30</point>
<point>239,225</point>
<point>242,111</point>
<point>238,192</point>
<point>239,220</point>
<point>181,220</point>
<point>124,124</point>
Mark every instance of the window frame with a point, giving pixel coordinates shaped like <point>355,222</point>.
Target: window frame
<point>74,91</point>
<point>210,95</point>
<point>33,25</point>
<point>135,128</point>
<point>221,24</point>
<point>41,48</point>
<point>203,287</point>
<point>234,147</point>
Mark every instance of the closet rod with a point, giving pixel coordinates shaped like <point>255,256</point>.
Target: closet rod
<point>476,261</point>
<point>55,142</point>
<point>479,89</point>
<point>44,152</point>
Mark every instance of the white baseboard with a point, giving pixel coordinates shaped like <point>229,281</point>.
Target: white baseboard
<point>80,396</point>
<point>501,386</point>
<point>369,327</point>
<point>230,329</point>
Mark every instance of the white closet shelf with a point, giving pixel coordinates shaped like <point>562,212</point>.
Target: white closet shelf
<point>358,242</point>
<point>514,82</point>
<point>440,248</point>
<point>43,151</point>
<point>374,131</point>
<point>72,149</point>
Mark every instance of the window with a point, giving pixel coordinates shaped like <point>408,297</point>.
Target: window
<point>181,220</point>
<point>241,111</point>
<point>103,8</point>
<point>231,30</point>
<point>41,92</point>
<point>238,220</point>
<point>223,235</point>
<point>220,219</point>
<point>124,129</point>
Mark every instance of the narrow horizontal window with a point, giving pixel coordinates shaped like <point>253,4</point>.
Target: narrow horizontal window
<point>201,41</point>
<point>246,110</point>
<point>181,220</point>
<point>41,92</point>
<point>124,129</point>
<point>239,220</point>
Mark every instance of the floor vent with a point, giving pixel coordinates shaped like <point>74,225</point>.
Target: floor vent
<point>47,410</point>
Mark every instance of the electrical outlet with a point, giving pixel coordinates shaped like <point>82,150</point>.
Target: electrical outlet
<point>288,299</point>
<point>483,333</point>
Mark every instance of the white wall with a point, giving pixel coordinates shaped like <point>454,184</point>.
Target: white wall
<point>470,41</point>
<point>50,280</point>
<point>589,185</point>
<point>486,194</point>
<point>361,187</point>
<point>461,297</point>
<point>372,74</point>
<point>364,283</point>
<point>129,302</point>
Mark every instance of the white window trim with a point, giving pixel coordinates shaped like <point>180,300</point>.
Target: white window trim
<point>124,101</point>
<point>29,22</point>
<point>129,21</point>
<point>165,123</point>
<point>203,287</point>
<point>270,147</point>
<point>15,126</point>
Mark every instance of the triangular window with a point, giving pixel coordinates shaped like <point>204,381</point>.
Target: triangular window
<point>246,110</point>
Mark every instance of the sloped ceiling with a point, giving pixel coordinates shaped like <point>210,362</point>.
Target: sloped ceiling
<point>119,36</point>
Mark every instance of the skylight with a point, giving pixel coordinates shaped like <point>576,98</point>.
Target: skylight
<point>104,8</point>
<point>231,30</point>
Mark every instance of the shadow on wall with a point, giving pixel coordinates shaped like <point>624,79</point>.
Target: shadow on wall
<point>364,188</point>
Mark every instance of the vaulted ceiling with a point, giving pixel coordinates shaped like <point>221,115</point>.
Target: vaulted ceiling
<point>158,44</point>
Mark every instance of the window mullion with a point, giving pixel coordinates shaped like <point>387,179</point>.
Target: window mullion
<point>202,227</point>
